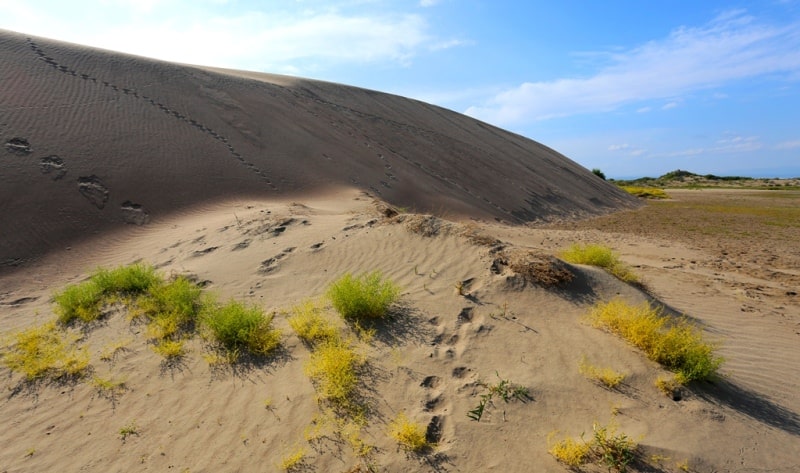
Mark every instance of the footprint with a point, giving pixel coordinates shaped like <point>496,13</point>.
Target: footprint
<point>465,315</point>
<point>94,190</point>
<point>433,434</point>
<point>431,382</point>
<point>55,165</point>
<point>460,371</point>
<point>205,251</point>
<point>18,146</point>
<point>134,213</point>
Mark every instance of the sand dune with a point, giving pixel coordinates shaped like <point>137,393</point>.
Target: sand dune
<point>265,189</point>
<point>94,139</point>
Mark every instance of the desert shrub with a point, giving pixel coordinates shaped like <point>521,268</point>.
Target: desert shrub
<point>334,367</point>
<point>409,435</point>
<point>597,172</point>
<point>613,450</point>
<point>569,451</point>
<point>47,351</point>
<point>293,461</point>
<point>83,301</point>
<point>237,327</point>
<point>601,256</point>
<point>674,343</point>
<point>171,308</point>
<point>310,324</point>
<point>367,296</point>
<point>606,376</point>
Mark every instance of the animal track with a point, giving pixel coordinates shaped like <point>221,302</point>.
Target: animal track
<point>23,147</point>
<point>94,190</point>
<point>271,264</point>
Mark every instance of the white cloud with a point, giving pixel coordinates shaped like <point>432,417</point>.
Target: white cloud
<point>619,147</point>
<point>732,47</point>
<point>210,33</point>
<point>428,3</point>
<point>644,110</point>
<point>669,105</point>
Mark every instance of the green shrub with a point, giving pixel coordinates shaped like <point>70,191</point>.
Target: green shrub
<point>600,256</point>
<point>171,308</point>
<point>238,327</point>
<point>83,301</point>
<point>367,296</point>
<point>676,344</point>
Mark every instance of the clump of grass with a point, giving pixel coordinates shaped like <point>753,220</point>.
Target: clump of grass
<point>606,376</point>
<point>409,435</point>
<point>507,390</point>
<point>109,387</point>
<point>237,327</point>
<point>569,451</point>
<point>84,301</point>
<point>310,325</point>
<point>645,192</point>
<point>128,429</point>
<point>113,349</point>
<point>667,385</point>
<point>170,349</point>
<point>334,367</point>
<point>676,344</point>
<point>47,352</point>
<point>363,297</point>
<point>601,256</point>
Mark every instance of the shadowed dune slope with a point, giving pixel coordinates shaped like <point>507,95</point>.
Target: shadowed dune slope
<point>91,140</point>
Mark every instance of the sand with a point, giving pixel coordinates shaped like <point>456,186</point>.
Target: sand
<point>278,247</point>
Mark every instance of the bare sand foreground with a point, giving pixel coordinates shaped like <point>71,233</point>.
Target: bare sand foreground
<point>433,358</point>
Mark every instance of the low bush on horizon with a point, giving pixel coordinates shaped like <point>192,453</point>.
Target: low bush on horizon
<point>600,256</point>
<point>236,327</point>
<point>676,344</point>
<point>409,435</point>
<point>364,297</point>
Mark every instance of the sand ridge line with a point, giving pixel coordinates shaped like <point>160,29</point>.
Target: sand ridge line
<point>177,115</point>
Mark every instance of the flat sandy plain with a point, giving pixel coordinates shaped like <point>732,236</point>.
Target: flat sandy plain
<point>727,259</point>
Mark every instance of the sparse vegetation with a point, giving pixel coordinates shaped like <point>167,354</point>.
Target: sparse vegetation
<point>601,256</point>
<point>606,376</point>
<point>363,297</point>
<point>47,351</point>
<point>294,460</point>
<point>309,323</point>
<point>616,451</point>
<point>597,172</point>
<point>674,343</point>
<point>333,367</point>
<point>507,391</point>
<point>409,435</point>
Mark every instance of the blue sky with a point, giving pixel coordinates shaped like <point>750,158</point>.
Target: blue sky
<point>631,87</point>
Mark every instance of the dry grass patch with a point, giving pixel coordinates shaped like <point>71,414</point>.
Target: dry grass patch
<point>645,192</point>
<point>605,376</point>
<point>310,324</point>
<point>615,451</point>
<point>334,367</point>
<point>676,344</point>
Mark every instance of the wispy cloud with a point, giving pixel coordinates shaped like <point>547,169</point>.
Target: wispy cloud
<point>794,144</point>
<point>732,47</point>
